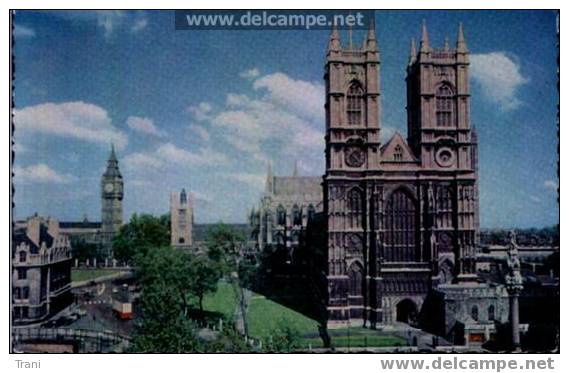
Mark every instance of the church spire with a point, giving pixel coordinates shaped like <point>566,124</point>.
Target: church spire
<point>113,156</point>
<point>295,169</point>
<point>183,197</point>
<point>270,179</point>
<point>446,47</point>
<point>371,40</point>
<point>424,39</point>
<point>460,41</point>
<point>112,164</point>
<point>334,44</point>
<point>413,52</point>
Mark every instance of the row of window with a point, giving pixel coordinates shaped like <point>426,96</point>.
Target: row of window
<point>21,312</point>
<point>24,255</point>
<point>475,314</point>
<point>296,215</point>
<point>22,273</point>
<point>444,105</point>
<point>22,292</point>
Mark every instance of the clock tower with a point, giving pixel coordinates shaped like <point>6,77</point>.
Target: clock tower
<point>111,202</point>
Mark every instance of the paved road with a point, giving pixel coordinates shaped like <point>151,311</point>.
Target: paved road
<point>99,310</point>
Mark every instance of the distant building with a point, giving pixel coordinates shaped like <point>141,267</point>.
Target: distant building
<point>112,193</point>
<point>41,271</point>
<point>288,204</point>
<point>181,219</point>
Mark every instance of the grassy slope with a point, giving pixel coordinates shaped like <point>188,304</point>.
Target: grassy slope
<point>89,274</point>
<point>266,317</point>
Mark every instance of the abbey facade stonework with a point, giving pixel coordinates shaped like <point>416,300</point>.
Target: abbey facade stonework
<point>402,216</point>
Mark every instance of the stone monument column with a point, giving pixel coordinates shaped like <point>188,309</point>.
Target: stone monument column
<point>514,286</point>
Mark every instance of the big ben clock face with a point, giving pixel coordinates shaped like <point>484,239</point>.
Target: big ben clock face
<point>355,157</point>
<point>109,187</point>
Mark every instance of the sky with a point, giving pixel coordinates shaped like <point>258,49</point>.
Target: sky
<point>206,110</point>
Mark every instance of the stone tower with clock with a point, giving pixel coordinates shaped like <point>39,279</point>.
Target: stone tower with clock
<point>111,203</point>
<point>401,216</point>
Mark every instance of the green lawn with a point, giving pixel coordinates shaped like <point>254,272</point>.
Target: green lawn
<point>222,301</point>
<point>266,317</point>
<point>90,274</point>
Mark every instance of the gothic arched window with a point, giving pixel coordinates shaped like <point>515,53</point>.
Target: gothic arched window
<point>474,313</point>
<point>400,224</point>
<point>281,215</point>
<point>356,278</point>
<point>398,153</point>
<point>296,216</point>
<point>355,208</point>
<point>491,313</point>
<point>355,104</point>
<point>444,206</point>
<point>22,256</point>
<point>311,212</point>
<point>444,103</point>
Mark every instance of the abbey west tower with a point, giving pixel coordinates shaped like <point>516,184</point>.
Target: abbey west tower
<point>111,203</point>
<point>402,217</point>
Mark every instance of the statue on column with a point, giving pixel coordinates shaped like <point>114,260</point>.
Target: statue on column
<point>514,286</point>
<point>514,276</point>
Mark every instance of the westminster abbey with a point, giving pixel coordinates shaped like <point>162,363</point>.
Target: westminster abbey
<point>401,216</point>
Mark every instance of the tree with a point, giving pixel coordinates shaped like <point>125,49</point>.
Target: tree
<point>165,276</point>
<point>204,278</point>
<point>224,247</point>
<point>139,234</point>
<point>83,250</point>
<point>284,339</point>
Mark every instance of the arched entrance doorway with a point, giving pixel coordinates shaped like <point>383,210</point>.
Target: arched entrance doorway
<point>407,311</point>
<point>355,275</point>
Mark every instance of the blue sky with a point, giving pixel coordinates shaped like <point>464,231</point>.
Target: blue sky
<point>207,110</point>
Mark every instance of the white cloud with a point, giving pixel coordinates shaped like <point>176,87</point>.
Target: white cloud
<point>78,120</point>
<point>109,20</point>
<point>23,32</point>
<point>139,25</point>
<point>500,78</point>
<point>237,100</point>
<point>41,173</point>
<point>201,132</point>
<point>281,116</point>
<point>550,184</point>
<point>168,154</point>
<point>201,111</point>
<point>256,181</point>
<point>250,74</point>
<point>144,125</point>
<point>172,153</point>
<point>142,161</point>
<point>302,97</point>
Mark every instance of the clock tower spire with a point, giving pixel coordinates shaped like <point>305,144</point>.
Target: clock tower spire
<point>111,202</point>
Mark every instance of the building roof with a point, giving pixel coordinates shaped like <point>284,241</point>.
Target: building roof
<point>20,235</point>
<point>388,149</point>
<point>294,185</point>
<point>80,224</point>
